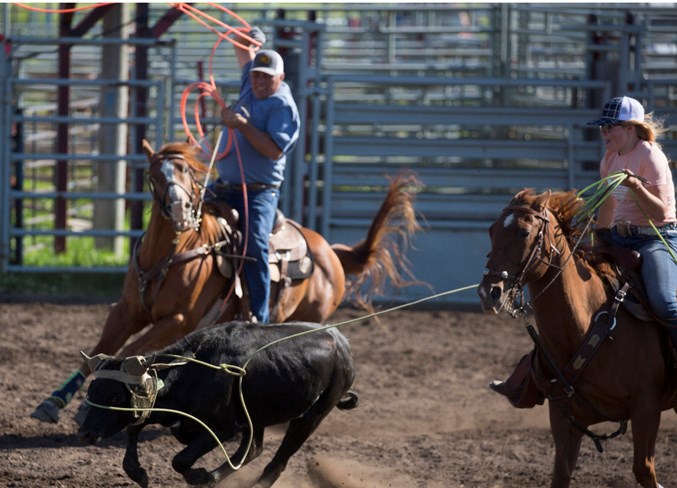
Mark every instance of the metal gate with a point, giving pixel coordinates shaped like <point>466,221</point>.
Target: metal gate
<point>478,101</point>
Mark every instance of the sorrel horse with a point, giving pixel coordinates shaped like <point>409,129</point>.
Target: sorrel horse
<point>533,243</point>
<point>174,279</point>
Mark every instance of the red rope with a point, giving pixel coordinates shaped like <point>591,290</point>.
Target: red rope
<point>209,89</point>
<point>205,89</point>
<point>60,11</point>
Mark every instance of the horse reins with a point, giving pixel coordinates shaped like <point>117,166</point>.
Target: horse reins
<point>515,281</point>
<point>567,378</point>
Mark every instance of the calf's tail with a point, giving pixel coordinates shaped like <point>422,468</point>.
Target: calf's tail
<point>349,401</point>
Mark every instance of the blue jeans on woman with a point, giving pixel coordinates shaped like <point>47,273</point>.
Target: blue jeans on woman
<point>659,273</point>
<point>262,205</point>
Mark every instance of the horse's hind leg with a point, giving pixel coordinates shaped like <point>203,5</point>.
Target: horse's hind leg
<point>644,432</point>
<point>567,447</point>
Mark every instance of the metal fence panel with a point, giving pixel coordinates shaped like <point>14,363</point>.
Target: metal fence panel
<point>478,100</point>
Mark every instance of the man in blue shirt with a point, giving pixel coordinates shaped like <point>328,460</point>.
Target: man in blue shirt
<point>266,127</point>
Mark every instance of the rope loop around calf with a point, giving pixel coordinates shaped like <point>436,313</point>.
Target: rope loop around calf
<point>242,371</point>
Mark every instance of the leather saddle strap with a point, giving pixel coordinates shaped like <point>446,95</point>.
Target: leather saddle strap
<point>602,328</point>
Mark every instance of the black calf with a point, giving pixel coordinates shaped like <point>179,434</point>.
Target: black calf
<point>298,380</point>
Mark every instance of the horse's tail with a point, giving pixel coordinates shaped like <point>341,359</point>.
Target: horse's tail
<point>378,257</point>
<point>349,401</point>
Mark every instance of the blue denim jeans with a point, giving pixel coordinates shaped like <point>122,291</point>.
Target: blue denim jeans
<point>659,273</point>
<point>262,205</point>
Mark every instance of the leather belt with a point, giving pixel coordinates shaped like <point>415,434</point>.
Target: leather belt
<point>250,186</point>
<point>626,229</point>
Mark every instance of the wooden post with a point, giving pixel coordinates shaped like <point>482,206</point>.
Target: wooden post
<point>111,174</point>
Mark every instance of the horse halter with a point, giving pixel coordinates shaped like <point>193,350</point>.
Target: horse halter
<point>515,281</point>
<point>181,211</point>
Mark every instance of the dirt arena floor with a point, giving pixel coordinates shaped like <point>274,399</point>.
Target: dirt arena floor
<point>426,416</point>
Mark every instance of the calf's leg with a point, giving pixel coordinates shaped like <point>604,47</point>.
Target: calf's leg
<point>297,433</point>
<point>130,463</point>
<point>198,447</point>
<point>226,470</point>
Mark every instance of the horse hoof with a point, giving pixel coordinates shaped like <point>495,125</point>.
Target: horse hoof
<point>47,411</point>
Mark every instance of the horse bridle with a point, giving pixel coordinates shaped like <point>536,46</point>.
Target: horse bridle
<point>160,200</point>
<point>516,280</point>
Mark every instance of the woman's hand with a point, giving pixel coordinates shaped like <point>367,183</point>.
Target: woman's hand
<point>633,181</point>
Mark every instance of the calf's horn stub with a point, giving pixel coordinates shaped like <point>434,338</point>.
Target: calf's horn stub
<point>135,365</point>
<point>94,362</point>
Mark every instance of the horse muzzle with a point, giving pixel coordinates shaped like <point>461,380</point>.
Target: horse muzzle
<point>491,295</point>
<point>182,215</point>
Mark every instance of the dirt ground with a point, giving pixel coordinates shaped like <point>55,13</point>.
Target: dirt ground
<point>426,417</point>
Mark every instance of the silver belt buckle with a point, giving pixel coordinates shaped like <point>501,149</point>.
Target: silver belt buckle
<point>623,228</point>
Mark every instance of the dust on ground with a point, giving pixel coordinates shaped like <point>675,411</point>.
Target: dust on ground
<point>426,417</point>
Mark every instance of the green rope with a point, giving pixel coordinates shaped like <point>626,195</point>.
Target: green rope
<point>602,189</point>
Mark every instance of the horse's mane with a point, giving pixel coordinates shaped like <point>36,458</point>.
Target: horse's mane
<point>190,153</point>
<point>566,206</point>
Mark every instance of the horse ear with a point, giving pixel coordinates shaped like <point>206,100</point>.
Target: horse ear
<point>148,149</point>
<point>544,199</point>
<point>522,194</point>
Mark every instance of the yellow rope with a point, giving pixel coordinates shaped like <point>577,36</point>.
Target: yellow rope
<point>178,412</point>
<point>341,324</point>
<point>242,371</point>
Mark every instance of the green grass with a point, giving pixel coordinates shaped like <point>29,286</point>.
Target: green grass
<point>80,251</point>
<point>80,287</point>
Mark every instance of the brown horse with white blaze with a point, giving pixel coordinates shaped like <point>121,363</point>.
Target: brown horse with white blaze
<point>176,278</point>
<point>533,243</point>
